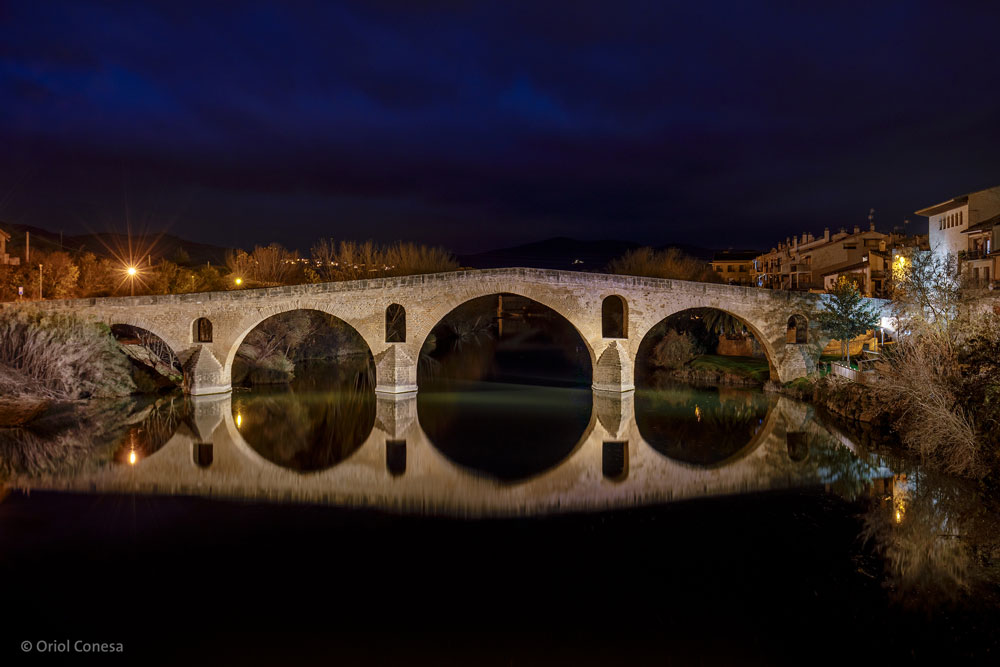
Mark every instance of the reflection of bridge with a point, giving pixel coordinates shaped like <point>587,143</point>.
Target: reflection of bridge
<point>398,468</point>
<point>611,313</point>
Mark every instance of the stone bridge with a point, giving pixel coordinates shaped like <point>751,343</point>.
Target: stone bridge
<point>612,314</point>
<point>398,468</point>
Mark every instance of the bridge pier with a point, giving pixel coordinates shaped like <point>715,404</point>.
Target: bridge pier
<point>203,374</point>
<point>395,372</point>
<point>613,371</point>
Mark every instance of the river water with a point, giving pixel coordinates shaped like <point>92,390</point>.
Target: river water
<point>505,514</point>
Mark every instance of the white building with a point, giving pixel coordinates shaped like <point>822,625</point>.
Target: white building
<point>949,221</point>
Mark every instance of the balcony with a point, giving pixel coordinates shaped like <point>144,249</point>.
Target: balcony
<point>969,255</point>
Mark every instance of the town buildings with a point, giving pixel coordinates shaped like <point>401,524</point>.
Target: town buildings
<point>4,257</point>
<point>734,266</point>
<point>816,263</point>
<point>968,228</point>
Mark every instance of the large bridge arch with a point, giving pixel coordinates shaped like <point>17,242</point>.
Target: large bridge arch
<point>770,353</point>
<point>447,306</point>
<point>246,324</point>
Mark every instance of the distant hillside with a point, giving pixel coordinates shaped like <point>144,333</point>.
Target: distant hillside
<point>564,253</point>
<point>162,246</point>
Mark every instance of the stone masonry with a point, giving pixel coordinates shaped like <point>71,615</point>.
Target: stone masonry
<point>427,299</point>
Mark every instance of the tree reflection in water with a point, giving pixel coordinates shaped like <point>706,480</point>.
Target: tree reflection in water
<point>76,437</point>
<point>937,536</point>
<point>314,423</point>
<point>700,426</point>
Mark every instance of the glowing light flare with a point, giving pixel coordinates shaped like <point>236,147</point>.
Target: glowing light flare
<point>697,413</point>
<point>132,458</point>
<point>238,281</point>
<point>131,271</point>
<point>239,420</point>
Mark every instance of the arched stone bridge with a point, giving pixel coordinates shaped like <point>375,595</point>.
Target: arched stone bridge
<point>206,329</point>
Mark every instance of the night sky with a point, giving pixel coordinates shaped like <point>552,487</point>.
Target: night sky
<point>480,125</point>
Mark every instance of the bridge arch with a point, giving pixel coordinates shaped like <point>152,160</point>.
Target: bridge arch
<point>440,312</point>
<point>250,322</point>
<point>773,360</point>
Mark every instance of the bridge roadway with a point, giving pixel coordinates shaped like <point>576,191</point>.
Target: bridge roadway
<point>430,483</point>
<point>206,329</point>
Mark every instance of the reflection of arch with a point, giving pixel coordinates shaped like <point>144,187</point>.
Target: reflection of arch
<point>395,457</point>
<point>614,317</point>
<point>765,344</point>
<point>538,299</point>
<point>797,330</point>
<point>203,454</point>
<point>395,324</point>
<point>798,445</point>
<point>767,426</point>
<point>202,330</point>
<point>614,460</point>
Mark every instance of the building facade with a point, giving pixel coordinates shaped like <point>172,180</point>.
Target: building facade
<point>966,227</point>
<point>734,267</point>
<point>5,258</point>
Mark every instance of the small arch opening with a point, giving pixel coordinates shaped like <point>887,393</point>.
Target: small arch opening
<point>614,460</point>
<point>395,457</point>
<point>203,454</point>
<point>203,330</point>
<point>614,317</point>
<point>798,445</point>
<point>395,324</point>
<point>797,331</point>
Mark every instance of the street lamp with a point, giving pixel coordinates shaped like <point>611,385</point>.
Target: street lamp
<point>131,272</point>
<point>238,281</point>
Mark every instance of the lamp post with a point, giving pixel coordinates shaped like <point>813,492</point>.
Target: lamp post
<point>131,271</point>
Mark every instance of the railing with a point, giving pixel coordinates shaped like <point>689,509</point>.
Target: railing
<point>864,377</point>
<point>971,254</point>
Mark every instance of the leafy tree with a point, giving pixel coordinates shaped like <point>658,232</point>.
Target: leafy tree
<point>846,314</point>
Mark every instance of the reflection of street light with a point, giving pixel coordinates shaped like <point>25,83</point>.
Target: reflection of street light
<point>239,420</point>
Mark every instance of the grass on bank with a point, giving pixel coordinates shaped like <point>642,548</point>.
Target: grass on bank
<point>752,367</point>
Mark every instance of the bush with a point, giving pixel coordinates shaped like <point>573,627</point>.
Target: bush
<point>59,356</point>
<point>670,263</point>
<point>674,350</point>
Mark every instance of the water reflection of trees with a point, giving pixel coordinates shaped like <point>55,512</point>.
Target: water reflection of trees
<point>74,437</point>
<point>938,537</point>
<point>700,426</point>
<point>317,422</point>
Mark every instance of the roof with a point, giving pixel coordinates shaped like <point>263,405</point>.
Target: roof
<point>984,225</point>
<point>735,256</point>
<point>951,203</point>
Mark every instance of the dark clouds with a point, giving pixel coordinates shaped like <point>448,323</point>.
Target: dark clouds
<point>481,124</point>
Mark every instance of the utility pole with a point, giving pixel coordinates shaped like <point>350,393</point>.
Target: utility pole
<point>27,240</point>
<point>40,297</point>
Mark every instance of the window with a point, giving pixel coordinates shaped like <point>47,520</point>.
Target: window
<point>614,320</point>
<point>203,454</point>
<point>718,269</point>
<point>614,460</point>
<point>395,457</point>
<point>202,330</point>
<point>797,330</point>
<point>730,268</point>
<point>395,324</point>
